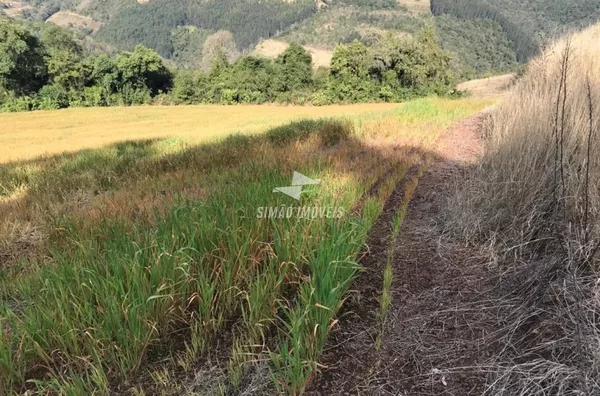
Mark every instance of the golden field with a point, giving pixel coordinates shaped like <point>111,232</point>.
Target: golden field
<point>29,135</point>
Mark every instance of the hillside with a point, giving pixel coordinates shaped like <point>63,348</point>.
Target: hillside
<point>274,48</point>
<point>484,37</point>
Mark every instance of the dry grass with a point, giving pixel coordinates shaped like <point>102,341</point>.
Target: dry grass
<point>537,143</point>
<point>417,6</point>
<point>534,202</point>
<point>273,48</point>
<point>71,19</point>
<point>14,8</point>
<point>29,135</point>
<point>488,87</point>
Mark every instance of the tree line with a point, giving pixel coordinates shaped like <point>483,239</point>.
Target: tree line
<point>44,67</point>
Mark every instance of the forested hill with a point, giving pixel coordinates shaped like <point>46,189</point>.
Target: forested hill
<point>153,24</point>
<point>158,23</point>
<point>525,23</point>
<point>484,36</point>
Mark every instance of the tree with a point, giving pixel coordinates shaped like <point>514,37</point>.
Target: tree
<point>417,65</point>
<point>22,66</point>
<point>295,68</point>
<point>105,73</point>
<point>64,58</point>
<point>144,68</point>
<point>217,44</point>
<point>349,73</point>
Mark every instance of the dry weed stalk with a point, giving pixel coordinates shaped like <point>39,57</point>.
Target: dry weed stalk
<point>536,195</point>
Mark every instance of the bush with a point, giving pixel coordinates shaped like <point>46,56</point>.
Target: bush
<point>386,94</point>
<point>52,97</point>
<point>21,103</point>
<point>185,88</point>
<point>255,97</point>
<point>136,95</point>
<point>95,96</point>
<point>320,98</point>
<point>229,96</point>
<point>164,99</point>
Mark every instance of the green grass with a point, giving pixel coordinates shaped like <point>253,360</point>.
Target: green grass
<point>388,272</point>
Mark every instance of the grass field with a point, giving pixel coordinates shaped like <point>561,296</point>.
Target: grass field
<point>144,267</point>
<point>417,6</point>
<point>28,135</point>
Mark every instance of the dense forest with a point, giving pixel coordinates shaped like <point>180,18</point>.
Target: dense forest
<point>152,24</point>
<point>479,47</point>
<point>524,45</point>
<point>549,19</point>
<point>42,66</point>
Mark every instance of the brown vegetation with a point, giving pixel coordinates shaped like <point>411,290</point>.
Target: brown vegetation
<point>75,129</point>
<point>273,48</point>
<point>492,86</point>
<point>534,202</point>
<point>71,19</point>
<point>417,6</point>
<point>14,8</point>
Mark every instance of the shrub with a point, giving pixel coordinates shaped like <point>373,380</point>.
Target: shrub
<point>320,98</point>
<point>185,88</point>
<point>52,97</point>
<point>386,94</point>
<point>21,103</point>
<point>255,97</point>
<point>229,96</point>
<point>95,96</point>
<point>163,99</point>
<point>136,95</point>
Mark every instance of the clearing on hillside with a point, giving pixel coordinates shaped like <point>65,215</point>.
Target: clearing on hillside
<point>71,19</point>
<point>417,6</point>
<point>489,87</point>
<point>273,48</point>
<point>13,8</point>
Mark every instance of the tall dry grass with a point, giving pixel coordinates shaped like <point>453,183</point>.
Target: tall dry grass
<point>536,159</point>
<point>535,201</point>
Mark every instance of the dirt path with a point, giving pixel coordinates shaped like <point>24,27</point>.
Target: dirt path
<point>430,345</point>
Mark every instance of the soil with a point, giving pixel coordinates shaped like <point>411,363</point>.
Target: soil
<point>432,338</point>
